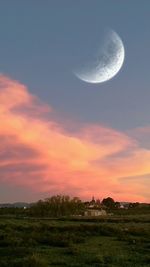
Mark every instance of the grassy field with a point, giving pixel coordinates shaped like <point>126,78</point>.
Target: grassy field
<point>121,241</point>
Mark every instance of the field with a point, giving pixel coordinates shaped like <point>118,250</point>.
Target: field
<point>115,241</point>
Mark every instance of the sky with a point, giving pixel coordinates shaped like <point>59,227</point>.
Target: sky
<point>60,135</point>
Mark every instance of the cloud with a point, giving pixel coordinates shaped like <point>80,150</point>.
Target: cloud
<point>38,151</point>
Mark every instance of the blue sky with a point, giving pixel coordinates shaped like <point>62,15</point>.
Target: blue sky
<point>41,43</point>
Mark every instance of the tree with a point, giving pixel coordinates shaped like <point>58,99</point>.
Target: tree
<point>98,203</point>
<point>117,205</point>
<point>134,205</point>
<point>109,202</point>
<point>59,205</point>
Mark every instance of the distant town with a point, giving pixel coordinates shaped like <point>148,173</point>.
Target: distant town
<point>63,205</point>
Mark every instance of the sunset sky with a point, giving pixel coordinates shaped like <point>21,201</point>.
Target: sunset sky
<point>58,134</point>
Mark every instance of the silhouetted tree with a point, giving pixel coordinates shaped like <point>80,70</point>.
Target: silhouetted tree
<point>109,202</point>
<point>98,202</point>
<point>134,205</point>
<point>117,205</point>
<point>59,205</point>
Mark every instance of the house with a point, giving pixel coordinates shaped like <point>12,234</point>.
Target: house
<point>93,204</point>
<point>95,212</point>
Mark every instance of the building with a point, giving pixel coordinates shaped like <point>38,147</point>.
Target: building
<point>95,212</point>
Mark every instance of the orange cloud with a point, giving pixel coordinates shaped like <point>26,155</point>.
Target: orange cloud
<point>38,152</point>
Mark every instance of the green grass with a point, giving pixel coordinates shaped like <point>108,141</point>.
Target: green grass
<point>121,241</point>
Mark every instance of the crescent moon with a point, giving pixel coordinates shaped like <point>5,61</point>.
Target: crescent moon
<point>108,62</point>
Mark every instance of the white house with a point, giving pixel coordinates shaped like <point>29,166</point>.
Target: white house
<point>95,212</point>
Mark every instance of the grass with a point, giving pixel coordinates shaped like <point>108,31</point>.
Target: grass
<point>120,241</point>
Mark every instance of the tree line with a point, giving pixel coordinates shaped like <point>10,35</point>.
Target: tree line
<point>64,205</point>
<point>57,206</point>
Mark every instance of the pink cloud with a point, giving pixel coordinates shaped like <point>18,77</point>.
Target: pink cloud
<point>38,152</point>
